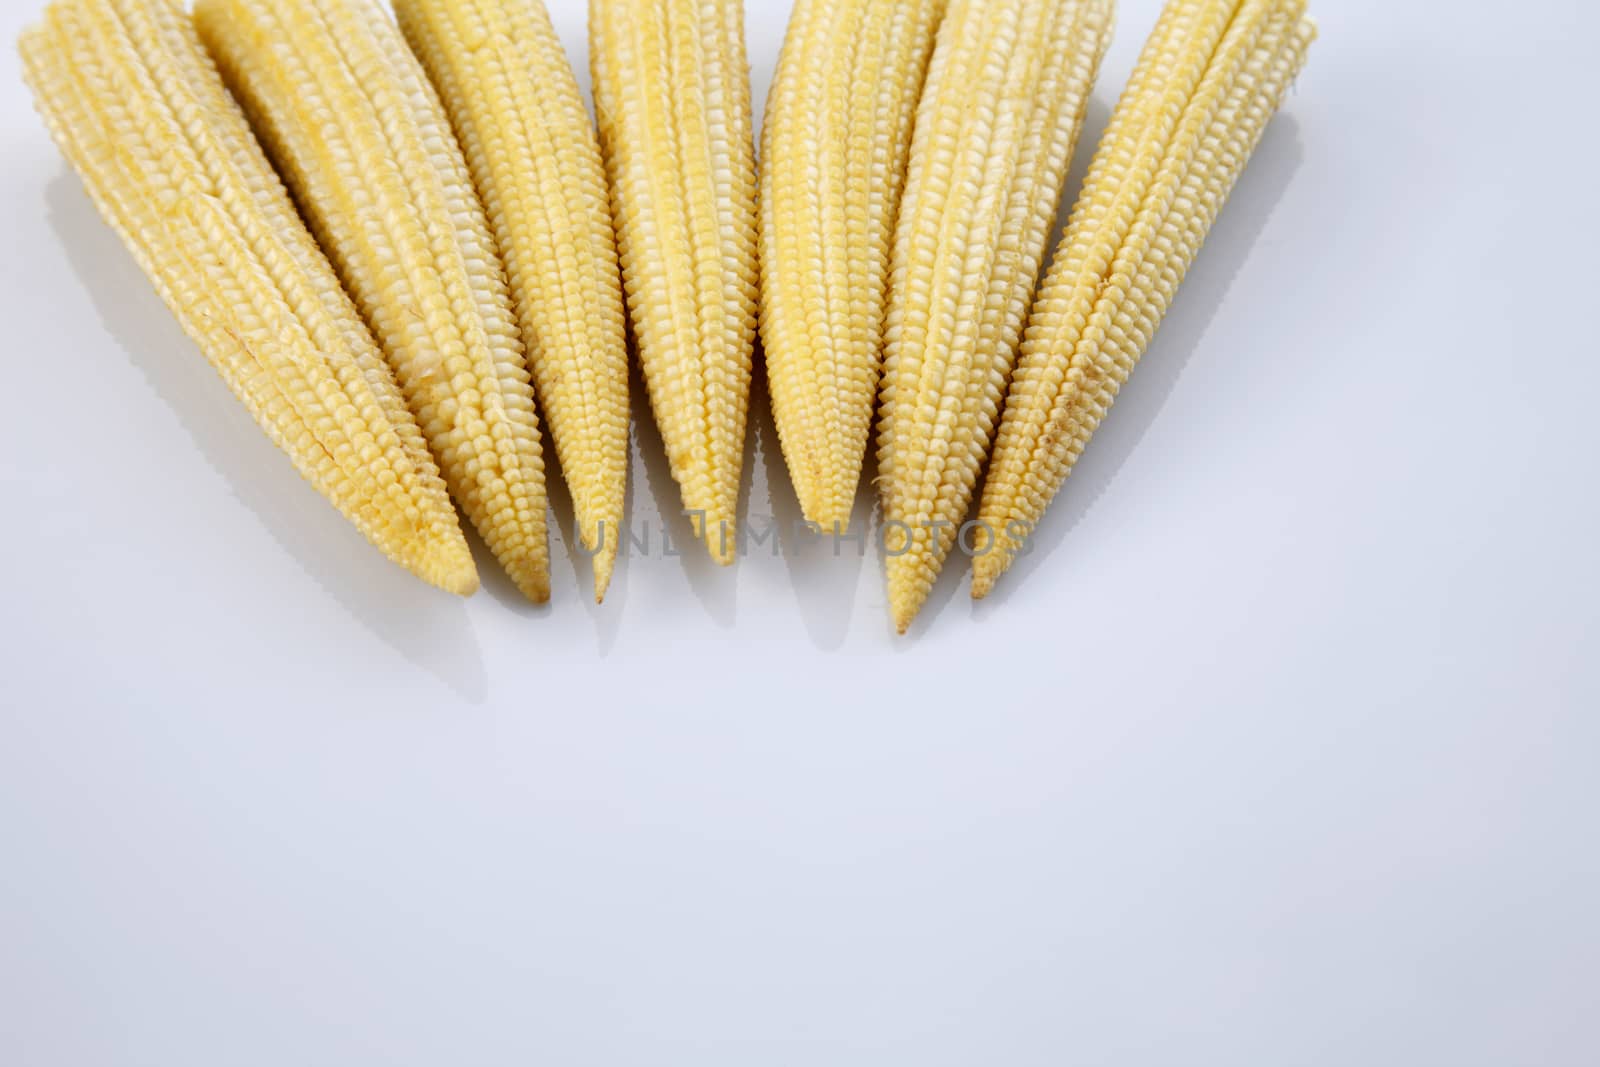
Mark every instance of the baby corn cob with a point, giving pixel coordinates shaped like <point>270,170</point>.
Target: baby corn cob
<point>1211,77</point>
<point>672,94</point>
<point>833,161</point>
<point>1006,93</point>
<point>349,118</point>
<point>515,105</point>
<point>167,157</point>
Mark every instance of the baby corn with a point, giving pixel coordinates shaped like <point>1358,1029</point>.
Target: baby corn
<point>833,162</point>
<point>515,105</point>
<point>349,118</point>
<point>139,110</point>
<point>672,94</point>
<point>1211,77</point>
<point>1007,89</point>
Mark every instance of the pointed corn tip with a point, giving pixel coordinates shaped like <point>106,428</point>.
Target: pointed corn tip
<point>604,557</point>
<point>462,583</point>
<point>828,518</point>
<point>528,566</point>
<point>722,556</point>
<point>446,565</point>
<point>602,581</point>
<point>990,565</point>
<point>719,530</point>
<point>986,570</point>
<point>905,597</point>
<point>823,505</point>
<point>534,584</point>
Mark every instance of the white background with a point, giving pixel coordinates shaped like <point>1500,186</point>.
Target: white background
<point>1280,750</point>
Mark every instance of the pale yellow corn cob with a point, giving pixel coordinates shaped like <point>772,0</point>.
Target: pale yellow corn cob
<point>348,116</point>
<point>672,95</point>
<point>999,117</point>
<point>516,108</point>
<point>140,112</point>
<point>833,161</point>
<point>1212,76</point>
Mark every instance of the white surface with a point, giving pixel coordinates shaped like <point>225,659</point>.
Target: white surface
<point>1279,751</point>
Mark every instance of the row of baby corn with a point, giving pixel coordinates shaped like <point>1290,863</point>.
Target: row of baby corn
<point>469,243</point>
<point>932,282</point>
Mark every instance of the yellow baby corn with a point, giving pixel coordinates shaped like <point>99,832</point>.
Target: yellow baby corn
<point>672,95</point>
<point>1211,77</point>
<point>515,105</point>
<point>833,162</point>
<point>999,117</point>
<point>349,118</point>
<point>137,107</point>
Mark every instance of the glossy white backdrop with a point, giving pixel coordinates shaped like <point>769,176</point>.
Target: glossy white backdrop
<point>1279,750</point>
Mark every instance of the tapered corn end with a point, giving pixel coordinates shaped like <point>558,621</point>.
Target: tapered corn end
<point>515,106</point>
<point>830,499</point>
<point>825,497</point>
<point>914,558</point>
<point>986,570</point>
<point>459,577</point>
<point>837,133</point>
<point>1007,89</point>
<point>830,506</point>
<point>603,544</point>
<point>602,540</point>
<point>834,515</point>
<point>348,116</point>
<point>909,588</point>
<point>1210,78</point>
<point>716,526</point>
<point>600,528</point>
<point>723,551</point>
<point>168,159</point>
<point>990,566</point>
<point>530,573</point>
<point>446,564</point>
<point>672,96</point>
